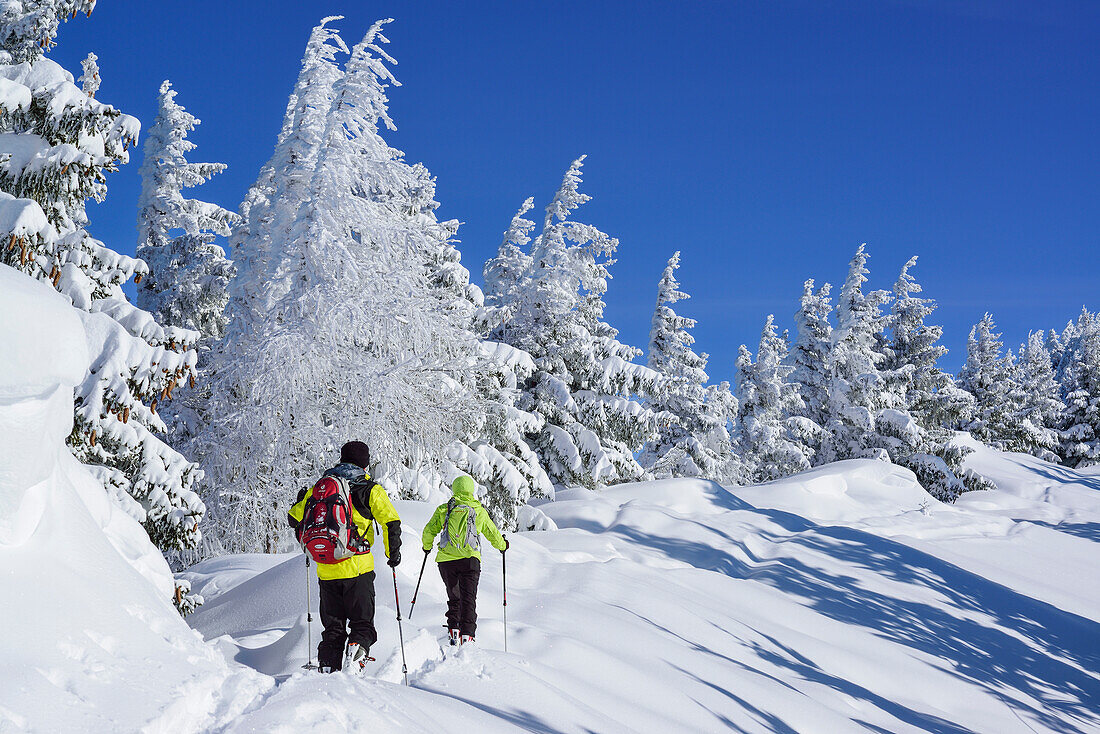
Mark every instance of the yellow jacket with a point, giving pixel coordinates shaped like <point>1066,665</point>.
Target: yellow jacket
<point>365,494</point>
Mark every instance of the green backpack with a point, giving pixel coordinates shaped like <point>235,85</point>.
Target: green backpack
<point>472,538</point>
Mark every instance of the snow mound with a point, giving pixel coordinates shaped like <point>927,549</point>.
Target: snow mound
<point>92,640</point>
<point>845,491</point>
<point>42,337</point>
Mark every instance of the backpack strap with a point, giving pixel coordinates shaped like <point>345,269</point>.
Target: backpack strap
<point>365,486</point>
<point>445,538</point>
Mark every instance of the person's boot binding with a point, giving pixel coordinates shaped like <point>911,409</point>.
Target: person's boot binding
<point>356,658</point>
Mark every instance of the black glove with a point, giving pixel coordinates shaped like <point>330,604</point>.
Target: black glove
<point>393,531</point>
<point>290,520</point>
<point>507,545</point>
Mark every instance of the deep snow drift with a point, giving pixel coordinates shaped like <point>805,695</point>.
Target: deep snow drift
<point>91,640</point>
<point>841,599</point>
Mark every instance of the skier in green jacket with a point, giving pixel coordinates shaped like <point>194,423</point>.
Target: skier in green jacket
<point>460,523</point>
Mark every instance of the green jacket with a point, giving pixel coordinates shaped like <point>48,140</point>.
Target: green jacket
<point>463,489</point>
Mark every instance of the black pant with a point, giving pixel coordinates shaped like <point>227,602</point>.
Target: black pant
<point>346,603</point>
<point>461,577</point>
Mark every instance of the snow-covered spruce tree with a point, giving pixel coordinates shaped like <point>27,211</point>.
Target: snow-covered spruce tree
<point>1060,345</point>
<point>1041,409</point>
<point>990,377</point>
<point>584,383</point>
<point>680,448</point>
<point>930,394</point>
<point>188,273</point>
<point>857,388</point>
<point>771,434</point>
<point>869,390</point>
<point>927,394</point>
<point>1080,381</point>
<point>809,357</point>
<point>720,414</point>
<point>59,144</point>
<point>504,274</point>
<point>90,80</point>
<point>355,344</point>
<point>271,206</point>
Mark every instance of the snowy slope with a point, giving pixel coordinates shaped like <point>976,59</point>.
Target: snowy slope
<point>91,640</point>
<point>841,599</point>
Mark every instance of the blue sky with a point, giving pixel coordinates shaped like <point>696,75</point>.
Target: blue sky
<point>765,139</point>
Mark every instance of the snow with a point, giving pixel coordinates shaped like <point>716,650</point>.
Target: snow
<point>92,641</point>
<point>841,599</point>
<point>32,364</point>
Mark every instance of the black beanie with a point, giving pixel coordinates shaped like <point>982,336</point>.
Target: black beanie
<point>355,452</point>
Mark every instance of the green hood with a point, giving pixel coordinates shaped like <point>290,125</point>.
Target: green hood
<point>464,489</point>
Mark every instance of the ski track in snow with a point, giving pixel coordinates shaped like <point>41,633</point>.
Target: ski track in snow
<point>841,599</point>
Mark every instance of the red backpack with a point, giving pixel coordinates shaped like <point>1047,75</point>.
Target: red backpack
<point>327,531</point>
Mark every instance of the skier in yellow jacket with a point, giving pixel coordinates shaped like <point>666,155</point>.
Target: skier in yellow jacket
<point>347,586</point>
<point>460,523</point>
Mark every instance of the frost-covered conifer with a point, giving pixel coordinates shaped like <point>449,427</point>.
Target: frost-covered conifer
<point>258,244</point>
<point>188,273</point>
<point>871,383</point>
<point>58,145</point>
<point>355,341</point>
<point>810,351</point>
<point>990,377</point>
<point>930,395</point>
<point>809,357</point>
<point>1080,381</point>
<point>90,80</point>
<point>1040,410</point>
<point>584,381</point>
<point>770,430</point>
<point>857,388</point>
<point>504,273</point>
<point>680,448</point>
<point>720,414</point>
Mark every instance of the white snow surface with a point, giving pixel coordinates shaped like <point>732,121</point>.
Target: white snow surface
<point>843,599</point>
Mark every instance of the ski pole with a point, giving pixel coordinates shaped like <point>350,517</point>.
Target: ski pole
<point>309,618</point>
<point>417,592</point>
<point>504,579</point>
<point>400,633</point>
